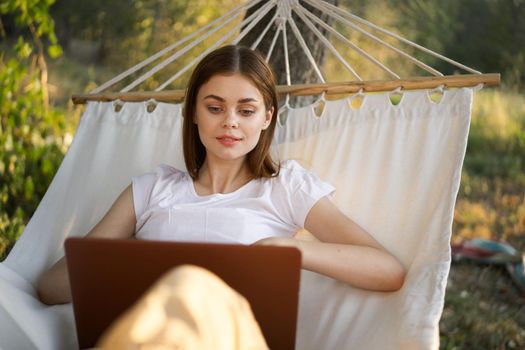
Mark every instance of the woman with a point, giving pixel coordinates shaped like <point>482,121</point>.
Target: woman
<point>233,191</point>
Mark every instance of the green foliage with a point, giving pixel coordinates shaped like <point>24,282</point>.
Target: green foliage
<point>31,135</point>
<point>496,146</point>
<point>487,35</point>
<point>127,32</point>
<point>34,15</point>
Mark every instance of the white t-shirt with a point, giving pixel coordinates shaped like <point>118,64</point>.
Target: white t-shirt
<point>168,208</point>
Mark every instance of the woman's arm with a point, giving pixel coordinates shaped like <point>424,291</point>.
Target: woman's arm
<point>345,252</point>
<point>119,222</point>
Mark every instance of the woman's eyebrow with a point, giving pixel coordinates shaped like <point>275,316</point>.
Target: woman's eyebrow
<point>215,97</point>
<point>248,99</point>
<point>242,100</point>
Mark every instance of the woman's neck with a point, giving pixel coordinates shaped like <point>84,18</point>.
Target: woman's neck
<point>222,177</point>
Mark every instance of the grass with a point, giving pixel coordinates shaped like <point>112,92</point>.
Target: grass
<point>483,310</point>
<point>483,307</point>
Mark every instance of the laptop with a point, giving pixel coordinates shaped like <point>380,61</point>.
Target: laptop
<point>107,276</point>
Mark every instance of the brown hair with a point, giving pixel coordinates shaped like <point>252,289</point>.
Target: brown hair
<point>230,60</point>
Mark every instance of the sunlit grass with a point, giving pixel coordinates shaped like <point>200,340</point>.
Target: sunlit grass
<point>491,202</point>
<point>483,308</point>
<point>498,114</point>
<point>496,145</point>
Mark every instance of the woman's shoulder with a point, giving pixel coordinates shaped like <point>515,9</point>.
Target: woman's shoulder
<point>165,170</point>
<point>154,186</point>
<point>291,166</point>
<point>297,189</point>
<point>292,170</point>
<point>293,175</point>
<point>163,176</point>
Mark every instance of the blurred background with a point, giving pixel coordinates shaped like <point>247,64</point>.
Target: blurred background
<point>50,50</point>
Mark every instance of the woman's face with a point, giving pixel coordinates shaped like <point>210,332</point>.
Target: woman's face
<point>230,115</point>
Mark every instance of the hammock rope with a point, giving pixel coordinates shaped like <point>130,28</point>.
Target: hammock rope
<point>263,34</point>
<point>398,37</point>
<point>350,44</point>
<point>254,19</point>
<point>306,50</point>
<point>274,40</point>
<point>178,54</point>
<point>286,57</point>
<point>300,12</point>
<point>284,10</point>
<point>231,14</point>
<point>374,38</point>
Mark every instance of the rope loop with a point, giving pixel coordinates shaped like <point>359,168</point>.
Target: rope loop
<point>398,90</point>
<point>478,87</point>
<point>360,93</point>
<point>319,105</point>
<point>439,89</point>
<point>285,106</point>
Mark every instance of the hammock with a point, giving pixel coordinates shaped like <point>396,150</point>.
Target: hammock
<point>396,169</point>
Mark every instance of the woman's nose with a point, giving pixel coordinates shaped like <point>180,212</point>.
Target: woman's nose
<point>230,121</point>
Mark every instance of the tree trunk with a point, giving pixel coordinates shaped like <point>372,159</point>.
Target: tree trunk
<point>301,70</point>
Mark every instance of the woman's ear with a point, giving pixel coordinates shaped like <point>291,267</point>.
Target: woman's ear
<point>269,115</point>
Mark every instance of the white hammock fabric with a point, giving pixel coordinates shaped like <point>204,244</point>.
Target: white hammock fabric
<point>397,173</point>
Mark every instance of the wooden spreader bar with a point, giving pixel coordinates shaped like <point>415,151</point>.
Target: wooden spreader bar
<point>414,83</point>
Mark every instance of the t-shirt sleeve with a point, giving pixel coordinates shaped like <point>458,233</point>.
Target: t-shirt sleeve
<point>309,192</point>
<point>142,186</point>
<point>145,188</point>
<point>304,189</point>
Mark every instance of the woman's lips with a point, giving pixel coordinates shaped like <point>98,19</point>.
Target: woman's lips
<point>228,140</point>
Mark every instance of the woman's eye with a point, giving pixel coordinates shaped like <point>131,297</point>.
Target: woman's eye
<point>247,112</point>
<point>214,109</point>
